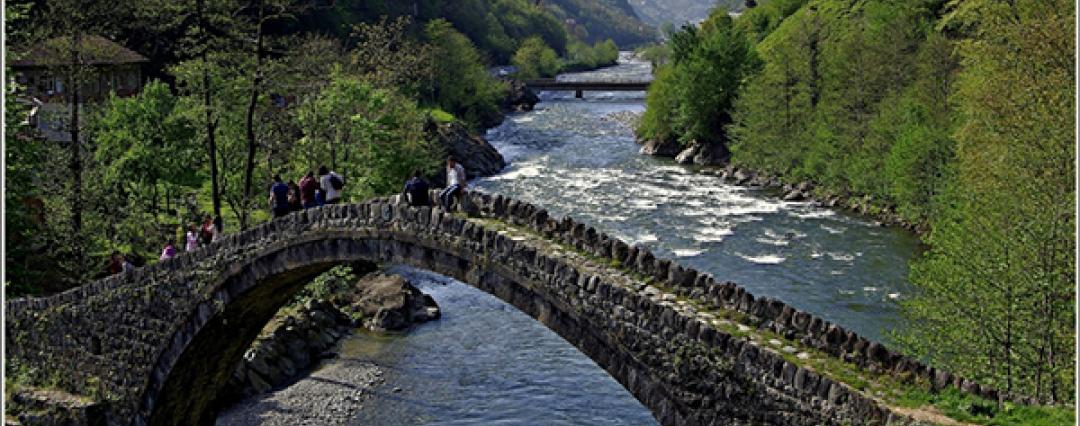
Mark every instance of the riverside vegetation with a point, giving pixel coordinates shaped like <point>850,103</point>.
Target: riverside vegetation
<point>956,115</point>
<point>240,90</point>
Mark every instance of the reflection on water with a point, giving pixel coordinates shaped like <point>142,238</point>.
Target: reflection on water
<point>484,362</point>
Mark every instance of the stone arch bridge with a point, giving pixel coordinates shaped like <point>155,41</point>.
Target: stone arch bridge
<point>154,345</point>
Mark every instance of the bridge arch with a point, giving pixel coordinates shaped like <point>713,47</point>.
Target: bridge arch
<point>140,341</point>
<point>257,288</point>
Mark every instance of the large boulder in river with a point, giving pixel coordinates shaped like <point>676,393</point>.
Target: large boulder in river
<point>474,153</point>
<point>389,302</point>
<point>661,148</point>
<point>519,98</point>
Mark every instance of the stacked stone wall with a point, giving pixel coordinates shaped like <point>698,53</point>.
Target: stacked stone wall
<point>768,313</point>
<point>123,337</point>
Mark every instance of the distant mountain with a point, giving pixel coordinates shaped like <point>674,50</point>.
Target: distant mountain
<point>598,20</point>
<point>678,12</point>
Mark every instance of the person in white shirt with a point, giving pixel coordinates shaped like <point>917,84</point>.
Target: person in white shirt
<point>192,238</point>
<point>327,184</point>
<point>455,183</point>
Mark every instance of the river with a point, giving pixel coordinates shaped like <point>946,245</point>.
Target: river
<point>486,363</point>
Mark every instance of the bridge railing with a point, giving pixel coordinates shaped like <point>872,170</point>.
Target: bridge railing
<point>773,314</point>
<point>770,313</point>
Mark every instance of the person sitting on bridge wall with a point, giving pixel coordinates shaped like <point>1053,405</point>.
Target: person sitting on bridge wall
<point>416,190</point>
<point>455,183</point>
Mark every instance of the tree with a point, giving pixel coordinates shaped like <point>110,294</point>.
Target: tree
<point>460,82</point>
<point>67,42</point>
<point>385,54</point>
<point>534,59</point>
<point>996,300</point>
<point>374,136</point>
<point>708,68</point>
<point>262,13</point>
<point>141,144</point>
<point>205,30</point>
<point>712,73</point>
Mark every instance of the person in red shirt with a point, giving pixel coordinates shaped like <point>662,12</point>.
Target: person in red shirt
<point>116,263</point>
<point>206,234</point>
<point>308,185</point>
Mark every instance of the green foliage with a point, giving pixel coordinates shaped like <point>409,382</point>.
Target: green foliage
<point>580,56</point>
<point>441,116</point>
<point>385,55</point>
<point>691,99</point>
<point>766,17</point>
<point>142,150</point>
<point>534,59</point>
<point>593,21</point>
<point>962,122</point>
<point>852,96</point>
<point>338,280</point>
<point>972,409</point>
<point>996,299</point>
<point>499,27</point>
<point>461,83</point>
<point>373,136</point>
<point>142,140</point>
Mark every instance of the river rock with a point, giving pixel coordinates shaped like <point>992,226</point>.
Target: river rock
<point>519,98</point>
<point>712,154</point>
<point>474,153</point>
<point>794,195</point>
<point>660,148</point>
<point>741,177</point>
<point>391,303</point>
<point>687,155</point>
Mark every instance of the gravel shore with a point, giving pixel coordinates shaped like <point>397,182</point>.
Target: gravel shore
<point>330,395</point>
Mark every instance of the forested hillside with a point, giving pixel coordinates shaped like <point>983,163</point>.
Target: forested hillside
<point>678,12</point>
<point>241,90</point>
<point>598,20</point>
<point>957,115</point>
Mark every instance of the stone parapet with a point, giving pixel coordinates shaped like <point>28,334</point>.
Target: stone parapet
<point>141,340</point>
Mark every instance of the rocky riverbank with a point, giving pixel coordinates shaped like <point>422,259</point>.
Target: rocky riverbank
<point>807,191</point>
<point>331,395</point>
<point>474,153</point>
<point>301,336</point>
<point>715,159</point>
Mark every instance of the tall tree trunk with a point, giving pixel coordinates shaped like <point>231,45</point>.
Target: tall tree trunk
<point>249,166</point>
<point>211,142</point>
<point>76,147</point>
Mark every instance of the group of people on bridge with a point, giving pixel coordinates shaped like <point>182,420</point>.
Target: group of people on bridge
<point>416,188</point>
<point>312,191</point>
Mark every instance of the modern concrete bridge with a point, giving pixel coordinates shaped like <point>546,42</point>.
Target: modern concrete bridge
<point>579,87</point>
<point>154,346</point>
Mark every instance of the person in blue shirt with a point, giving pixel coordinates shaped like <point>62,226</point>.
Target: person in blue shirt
<point>416,190</point>
<point>279,197</point>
